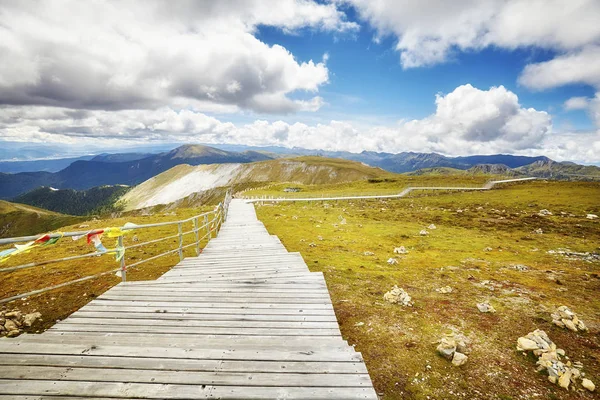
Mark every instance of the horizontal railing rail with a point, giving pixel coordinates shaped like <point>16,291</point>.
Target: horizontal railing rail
<point>315,196</point>
<point>204,226</point>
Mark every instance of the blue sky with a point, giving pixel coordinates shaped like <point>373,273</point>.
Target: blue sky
<point>457,78</point>
<point>368,79</point>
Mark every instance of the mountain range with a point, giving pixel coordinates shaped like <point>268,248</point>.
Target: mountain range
<point>133,168</point>
<point>124,169</point>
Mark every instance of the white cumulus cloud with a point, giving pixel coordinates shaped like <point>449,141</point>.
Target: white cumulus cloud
<point>114,55</point>
<point>467,120</point>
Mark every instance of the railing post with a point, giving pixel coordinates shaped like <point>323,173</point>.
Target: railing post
<point>207,225</point>
<point>197,236</point>
<point>180,230</point>
<point>123,267</point>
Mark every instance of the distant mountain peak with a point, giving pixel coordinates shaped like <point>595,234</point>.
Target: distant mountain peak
<point>195,150</point>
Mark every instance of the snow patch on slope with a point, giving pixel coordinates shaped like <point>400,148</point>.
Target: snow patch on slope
<point>196,181</point>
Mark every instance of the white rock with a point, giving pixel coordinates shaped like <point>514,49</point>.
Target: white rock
<point>565,379</point>
<point>368,253</point>
<point>486,308</point>
<point>544,213</point>
<point>29,319</point>
<point>392,261</point>
<point>400,250</point>
<point>589,385</point>
<point>423,233</point>
<point>444,290</point>
<point>398,296</point>
<point>432,226</point>
<point>591,216</point>
<point>524,344</point>
<point>459,359</point>
<point>447,348</point>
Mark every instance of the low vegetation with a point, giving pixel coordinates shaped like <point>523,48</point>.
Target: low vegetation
<point>23,220</point>
<point>99,200</point>
<point>489,247</point>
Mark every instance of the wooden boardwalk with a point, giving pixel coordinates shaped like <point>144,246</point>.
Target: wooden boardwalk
<point>245,320</point>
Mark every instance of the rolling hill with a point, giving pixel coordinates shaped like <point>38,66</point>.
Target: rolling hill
<point>184,180</point>
<point>95,200</point>
<point>83,174</point>
<point>22,220</point>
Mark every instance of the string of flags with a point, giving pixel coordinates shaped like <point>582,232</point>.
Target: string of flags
<point>44,240</point>
<point>92,237</point>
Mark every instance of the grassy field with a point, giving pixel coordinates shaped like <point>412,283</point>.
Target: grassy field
<point>480,239</point>
<point>22,220</point>
<point>58,304</point>
<point>385,185</point>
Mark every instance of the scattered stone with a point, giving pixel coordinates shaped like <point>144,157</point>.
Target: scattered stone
<point>544,213</point>
<point>368,253</point>
<point>312,245</point>
<point>539,231</point>
<point>13,322</point>
<point>294,217</point>
<point>589,385</point>
<point>398,296</point>
<point>485,307</point>
<point>400,250</point>
<point>459,359</point>
<point>487,249</point>
<point>591,216</point>
<point>10,325</point>
<point>520,267</point>
<point>320,237</point>
<point>444,290</point>
<point>549,360</point>
<point>447,348</point>
<point>565,318</point>
<point>423,233</point>
<point>432,226</point>
<point>454,347</point>
<point>29,319</point>
<point>392,261</point>
<point>565,379</point>
<point>524,344</point>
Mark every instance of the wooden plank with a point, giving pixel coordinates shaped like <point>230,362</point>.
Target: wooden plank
<point>203,310</point>
<point>322,299</point>
<point>166,352</point>
<point>73,327</point>
<point>190,323</point>
<point>297,343</point>
<point>60,373</point>
<point>184,365</point>
<point>199,304</point>
<point>203,317</point>
<point>183,392</point>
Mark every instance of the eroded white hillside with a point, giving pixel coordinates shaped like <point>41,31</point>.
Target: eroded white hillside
<point>183,180</point>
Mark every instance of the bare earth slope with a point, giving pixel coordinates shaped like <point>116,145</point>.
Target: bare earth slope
<point>183,180</point>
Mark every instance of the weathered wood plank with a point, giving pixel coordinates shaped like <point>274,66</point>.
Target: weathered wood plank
<point>165,391</point>
<point>60,373</point>
<point>184,365</point>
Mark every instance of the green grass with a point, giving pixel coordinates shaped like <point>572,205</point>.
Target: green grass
<point>398,342</point>
<point>24,220</point>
